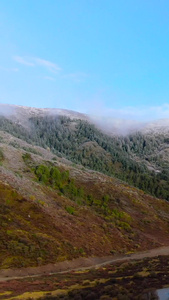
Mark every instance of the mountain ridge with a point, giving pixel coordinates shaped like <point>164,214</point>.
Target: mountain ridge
<point>145,127</point>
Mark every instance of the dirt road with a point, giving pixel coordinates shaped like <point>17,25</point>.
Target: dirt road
<point>77,264</point>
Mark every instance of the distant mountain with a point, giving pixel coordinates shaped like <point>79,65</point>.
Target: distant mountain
<point>157,127</point>
<point>109,125</point>
<point>23,113</point>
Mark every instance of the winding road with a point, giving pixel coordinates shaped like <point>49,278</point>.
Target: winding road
<point>78,264</point>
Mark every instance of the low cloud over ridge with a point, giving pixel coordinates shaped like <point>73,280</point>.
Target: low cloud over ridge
<point>128,119</point>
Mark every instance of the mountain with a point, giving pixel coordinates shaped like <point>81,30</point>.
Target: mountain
<point>111,126</point>
<point>64,193</point>
<point>157,127</point>
<point>22,114</point>
<point>140,158</point>
<point>52,210</point>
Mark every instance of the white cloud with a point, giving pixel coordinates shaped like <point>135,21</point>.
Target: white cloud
<point>31,61</point>
<point>47,64</point>
<point>23,61</point>
<point>36,61</point>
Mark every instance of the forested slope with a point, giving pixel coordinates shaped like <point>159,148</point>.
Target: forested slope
<point>134,158</point>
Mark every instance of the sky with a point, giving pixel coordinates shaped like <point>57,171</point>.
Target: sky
<point>100,57</point>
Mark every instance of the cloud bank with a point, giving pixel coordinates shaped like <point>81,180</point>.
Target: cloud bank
<point>127,119</point>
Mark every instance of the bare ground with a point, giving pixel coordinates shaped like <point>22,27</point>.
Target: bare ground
<point>77,264</point>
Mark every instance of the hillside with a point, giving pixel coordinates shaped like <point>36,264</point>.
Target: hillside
<point>52,210</point>
<point>140,158</point>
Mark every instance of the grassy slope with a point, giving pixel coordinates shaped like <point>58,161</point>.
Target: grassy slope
<point>37,228</point>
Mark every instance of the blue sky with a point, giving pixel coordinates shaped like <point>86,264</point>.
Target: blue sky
<point>86,55</point>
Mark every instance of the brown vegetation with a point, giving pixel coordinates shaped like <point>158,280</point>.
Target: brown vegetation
<point>134,280</point>
<point>41,224</point>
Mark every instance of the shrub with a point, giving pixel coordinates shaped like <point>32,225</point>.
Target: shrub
<point>26,156</point>
<point>70,210</point>
<point>1,155</point>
